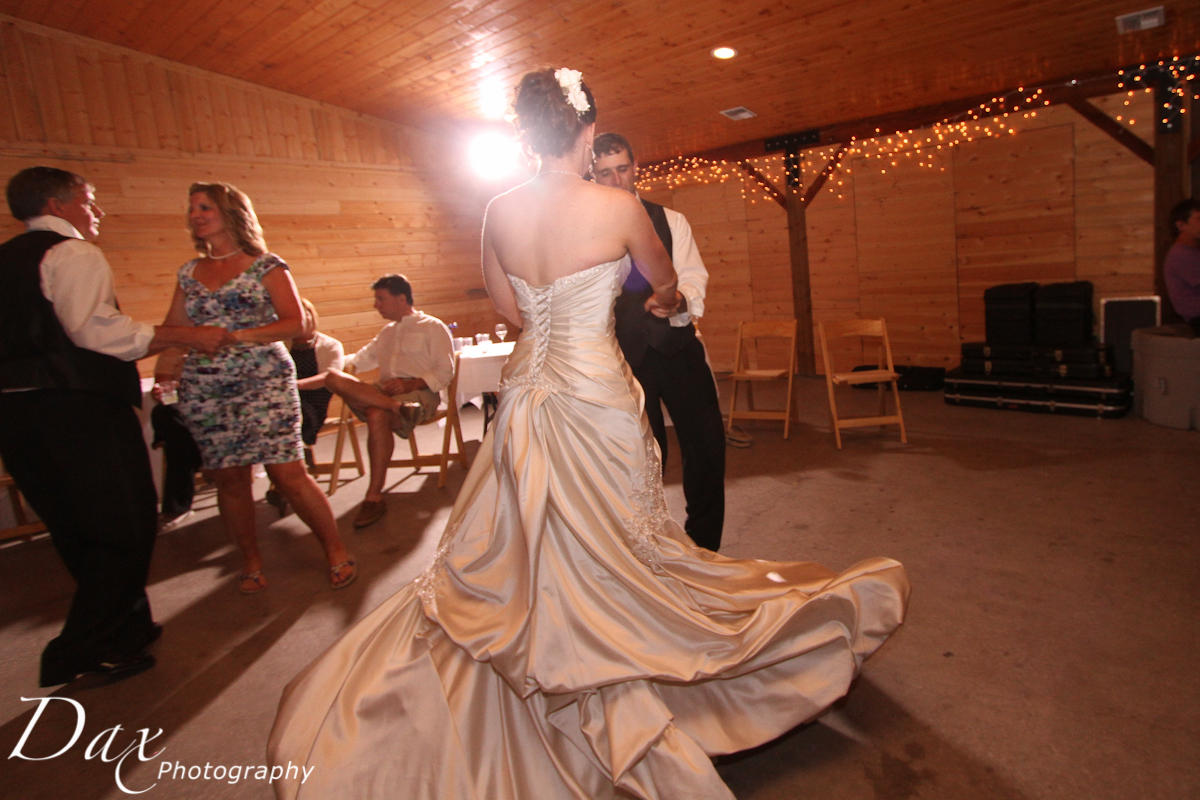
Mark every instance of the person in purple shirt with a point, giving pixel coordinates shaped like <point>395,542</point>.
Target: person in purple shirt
<point>1181,271</point>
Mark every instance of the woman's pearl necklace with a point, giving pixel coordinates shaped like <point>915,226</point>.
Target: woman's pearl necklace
<point>558,172</point>
<point>221,258</point>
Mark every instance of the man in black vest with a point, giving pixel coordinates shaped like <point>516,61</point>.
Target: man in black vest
<point>68,432</point>
<point>667,358</point>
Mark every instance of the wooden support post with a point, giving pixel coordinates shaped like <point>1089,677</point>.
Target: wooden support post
<point>1170,161</point>
<point>806,362</point>
<point>1193,153</point>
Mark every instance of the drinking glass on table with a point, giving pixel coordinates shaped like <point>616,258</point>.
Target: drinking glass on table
<point>483,339</point>
<point>501,331</point>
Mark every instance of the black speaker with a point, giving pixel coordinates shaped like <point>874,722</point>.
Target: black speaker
<point>1119,318</point>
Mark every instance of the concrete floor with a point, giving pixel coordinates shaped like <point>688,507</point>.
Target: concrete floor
<point>1047,654</point>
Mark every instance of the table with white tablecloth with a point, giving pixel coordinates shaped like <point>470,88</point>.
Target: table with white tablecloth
<point>479,368</point>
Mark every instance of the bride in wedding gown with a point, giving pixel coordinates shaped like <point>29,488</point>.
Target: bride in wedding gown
<point>569,642</point>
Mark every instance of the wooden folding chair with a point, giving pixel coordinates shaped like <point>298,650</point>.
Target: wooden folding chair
<point>863,328</point>
<point>441,460</point>
<point>746,370</point>
<point>344,424</point>
<point>24,528</point>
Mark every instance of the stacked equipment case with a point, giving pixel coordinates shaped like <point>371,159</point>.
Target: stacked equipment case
<point>1040,355</point>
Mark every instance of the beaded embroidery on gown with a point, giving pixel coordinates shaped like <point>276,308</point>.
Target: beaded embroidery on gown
<point>568,640</point>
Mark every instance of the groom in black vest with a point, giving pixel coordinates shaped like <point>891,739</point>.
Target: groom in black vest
<point>666,356</point>
<point>68,432</point>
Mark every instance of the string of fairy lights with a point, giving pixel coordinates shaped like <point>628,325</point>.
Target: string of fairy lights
<point>997,117</point>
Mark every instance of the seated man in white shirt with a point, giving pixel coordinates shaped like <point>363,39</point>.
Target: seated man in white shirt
<point>415,360</point>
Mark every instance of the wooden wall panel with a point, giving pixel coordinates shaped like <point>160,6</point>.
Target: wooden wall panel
<point>336,192</point>
<point>21,92</point>
<point>70,89</point>
<point>769,258</point>
<point>1114,203</point>
<point>58,88</point>
<point>833,268</point>
<point>906,262</point>
<point>718,218</point>
<point>41,63</point>
<point>1014,214</point>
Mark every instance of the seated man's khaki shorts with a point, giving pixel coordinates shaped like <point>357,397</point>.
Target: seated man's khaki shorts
<point>402,426</point>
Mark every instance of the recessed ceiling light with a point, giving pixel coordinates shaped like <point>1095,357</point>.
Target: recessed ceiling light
<point>724,52</point>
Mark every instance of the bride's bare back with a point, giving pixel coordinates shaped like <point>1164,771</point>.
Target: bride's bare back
<point>558,224</point>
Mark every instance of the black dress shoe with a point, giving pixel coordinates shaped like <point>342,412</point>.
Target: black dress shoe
<point>56,677</point>
<point>113,669</point>
<point>123,667</point>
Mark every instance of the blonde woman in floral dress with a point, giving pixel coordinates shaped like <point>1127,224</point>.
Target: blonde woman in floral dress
<point>241,404</point>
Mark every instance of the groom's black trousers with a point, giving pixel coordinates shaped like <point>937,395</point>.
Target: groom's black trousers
<point>81,462</point>
<point>684,384</point>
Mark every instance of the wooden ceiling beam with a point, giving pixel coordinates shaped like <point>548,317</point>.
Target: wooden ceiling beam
<point>1095,85</point>
<point>1114,129</point>
<point>830,166</point>
<point>762,180</point>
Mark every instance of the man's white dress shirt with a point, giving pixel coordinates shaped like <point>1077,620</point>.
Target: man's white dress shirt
<point>693,276</point>
<point>416,346</point>
<point>78,281</point>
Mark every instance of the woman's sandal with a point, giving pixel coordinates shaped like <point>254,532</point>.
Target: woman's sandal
<point>343,574</point>
<point>253,582</point>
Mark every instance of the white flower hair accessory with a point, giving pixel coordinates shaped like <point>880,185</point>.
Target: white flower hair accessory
<point>571,81</point>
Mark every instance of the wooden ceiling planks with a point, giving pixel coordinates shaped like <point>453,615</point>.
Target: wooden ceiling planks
<point>378,48</point>
<point>277,39</point>
<point>801,65</point>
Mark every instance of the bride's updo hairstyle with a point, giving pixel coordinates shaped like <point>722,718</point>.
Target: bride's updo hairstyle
<point>549,117</point>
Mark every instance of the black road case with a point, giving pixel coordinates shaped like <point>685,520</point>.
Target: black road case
<point>1108,399</point>
<point>1088,354</point>
<point>1063,314</point>
<point>1008,313</point>
<point>1035,369</point>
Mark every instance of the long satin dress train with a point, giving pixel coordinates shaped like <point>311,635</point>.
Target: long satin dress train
<point>568,640</point>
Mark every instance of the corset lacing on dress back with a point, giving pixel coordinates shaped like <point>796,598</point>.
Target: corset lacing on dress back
<point>538,308</point>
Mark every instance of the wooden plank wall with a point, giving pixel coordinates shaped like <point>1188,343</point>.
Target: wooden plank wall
<point>1014,216</point>
<point>1058,201</point>
<point>906,264</point>
<point>342,197</point>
